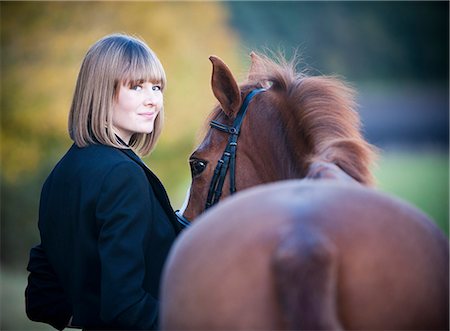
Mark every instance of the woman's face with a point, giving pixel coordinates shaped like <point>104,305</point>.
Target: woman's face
<point>135,109</point>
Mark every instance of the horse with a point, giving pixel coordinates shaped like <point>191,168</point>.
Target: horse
<point>306,242</point>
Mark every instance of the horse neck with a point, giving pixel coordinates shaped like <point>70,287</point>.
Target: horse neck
<point>270,149</point>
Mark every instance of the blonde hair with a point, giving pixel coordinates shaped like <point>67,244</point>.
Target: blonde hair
<point>113,60</point>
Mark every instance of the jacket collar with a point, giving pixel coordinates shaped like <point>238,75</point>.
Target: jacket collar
<point>128,151</point>
<point>121,141</point>
<point>158,189</point>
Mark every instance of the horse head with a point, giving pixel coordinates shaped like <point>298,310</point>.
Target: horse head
<point>299,127</point>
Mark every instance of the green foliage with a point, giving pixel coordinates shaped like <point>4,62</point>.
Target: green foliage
<point>43,44</point>
<point>361,40</point>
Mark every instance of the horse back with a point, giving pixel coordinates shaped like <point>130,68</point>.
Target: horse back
<point>351,258</point>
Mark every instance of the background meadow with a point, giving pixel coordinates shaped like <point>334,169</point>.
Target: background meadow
<point>394,54</point>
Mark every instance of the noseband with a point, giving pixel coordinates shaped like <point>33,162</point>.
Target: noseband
<point>228,159</point>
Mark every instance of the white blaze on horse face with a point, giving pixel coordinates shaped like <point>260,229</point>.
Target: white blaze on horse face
<point>186,200</point>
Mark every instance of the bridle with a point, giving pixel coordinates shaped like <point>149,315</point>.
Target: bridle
<point>228,159</point>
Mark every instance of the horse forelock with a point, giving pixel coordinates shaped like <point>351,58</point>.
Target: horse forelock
<point>320,114</point>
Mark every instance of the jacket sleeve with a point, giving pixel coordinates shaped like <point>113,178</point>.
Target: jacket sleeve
<point>124,212</point>
<point>45,299</point>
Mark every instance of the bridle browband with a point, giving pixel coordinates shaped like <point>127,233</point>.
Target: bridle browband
<point>228,159</point>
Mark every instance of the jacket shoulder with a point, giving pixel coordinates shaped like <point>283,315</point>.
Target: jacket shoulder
<point>98,155</point>
<point>94,161</point>
<point>98,152</point>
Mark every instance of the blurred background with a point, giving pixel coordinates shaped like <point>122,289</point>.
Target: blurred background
<point>396,55</point>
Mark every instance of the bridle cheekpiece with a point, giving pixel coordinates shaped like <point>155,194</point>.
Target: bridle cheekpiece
<point>228,159</point>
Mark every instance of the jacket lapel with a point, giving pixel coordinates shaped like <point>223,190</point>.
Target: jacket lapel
<point>158,188</point>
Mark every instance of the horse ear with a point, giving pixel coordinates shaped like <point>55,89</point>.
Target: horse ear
<point>224,87</point>
<point>257,67</point>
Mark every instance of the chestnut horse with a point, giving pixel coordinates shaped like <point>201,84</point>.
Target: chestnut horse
<point>318,250</point>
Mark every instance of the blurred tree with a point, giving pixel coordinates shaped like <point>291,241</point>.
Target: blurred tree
<point>43,44</point>
<point>362,40</point>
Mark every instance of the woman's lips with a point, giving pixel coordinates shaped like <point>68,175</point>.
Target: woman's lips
<point>148,114</point>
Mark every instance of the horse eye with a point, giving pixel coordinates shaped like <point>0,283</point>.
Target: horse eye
<point>197,166</point>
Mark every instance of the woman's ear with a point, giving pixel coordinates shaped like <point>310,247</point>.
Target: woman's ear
<point>225,88</point>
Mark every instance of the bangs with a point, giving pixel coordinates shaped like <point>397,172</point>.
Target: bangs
<point>140,65</point>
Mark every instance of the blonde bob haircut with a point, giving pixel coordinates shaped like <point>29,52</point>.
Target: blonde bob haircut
<point>114,60</point>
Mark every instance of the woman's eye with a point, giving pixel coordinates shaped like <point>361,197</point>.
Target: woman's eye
<point>197,167</point>
<point>136,87</point>
<point>156,88</point>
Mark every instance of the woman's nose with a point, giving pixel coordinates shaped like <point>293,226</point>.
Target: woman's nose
<point>149,99</point>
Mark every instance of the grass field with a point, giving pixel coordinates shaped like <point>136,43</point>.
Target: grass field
<point>13,303</point>
<point>422,179</point>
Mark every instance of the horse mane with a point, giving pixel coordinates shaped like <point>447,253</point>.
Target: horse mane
<point>320,113</point>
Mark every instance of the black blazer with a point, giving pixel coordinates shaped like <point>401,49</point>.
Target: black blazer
<point>106,227</point>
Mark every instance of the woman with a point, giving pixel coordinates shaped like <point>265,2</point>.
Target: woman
<point>105,220</point>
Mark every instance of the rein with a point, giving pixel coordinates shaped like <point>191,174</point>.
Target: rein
<point>228,159</point>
